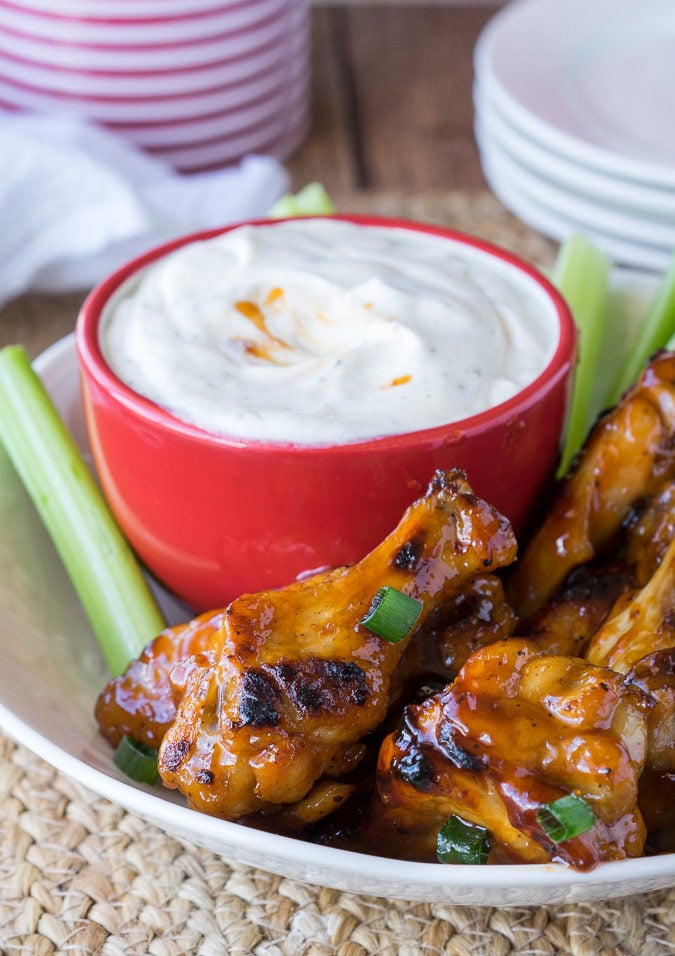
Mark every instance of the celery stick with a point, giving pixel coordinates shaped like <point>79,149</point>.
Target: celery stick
<point>312,200</point>
<point>656,332</point>
<point>101,565</point>
<point>581,273</point>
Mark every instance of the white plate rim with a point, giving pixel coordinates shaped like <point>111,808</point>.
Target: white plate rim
<point>584,213</point>
<point>558,227</point>
<point>639,198</point>
<point>544,132</point>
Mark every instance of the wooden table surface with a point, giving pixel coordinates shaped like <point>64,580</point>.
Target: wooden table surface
<point>391,113</point>
<point>392,99</point>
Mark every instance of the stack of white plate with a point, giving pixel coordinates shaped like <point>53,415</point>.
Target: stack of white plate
<point>575,120</point>
<point>198,82</point>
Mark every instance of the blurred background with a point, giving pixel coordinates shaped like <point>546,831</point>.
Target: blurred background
<point>359,95</point>
<point>392,100</point>
<point>373,99</point>
<point>521,121</point>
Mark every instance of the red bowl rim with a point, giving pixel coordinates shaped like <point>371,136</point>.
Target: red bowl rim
<point>94,365</point>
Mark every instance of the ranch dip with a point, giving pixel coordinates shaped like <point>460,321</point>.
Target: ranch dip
<point>322,331</point>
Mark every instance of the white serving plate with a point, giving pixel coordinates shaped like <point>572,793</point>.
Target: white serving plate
<point>558,226</point>
<point>592,81</point>
<point>585,212</point>
<point>52,672</point>
<point>646,201</point>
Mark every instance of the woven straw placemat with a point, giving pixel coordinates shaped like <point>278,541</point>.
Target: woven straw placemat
<point>79,875</point>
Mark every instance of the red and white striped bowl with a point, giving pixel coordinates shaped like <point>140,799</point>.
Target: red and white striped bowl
<point>175,56</point>
<point>151,102</point>
<point>101,10</point>
<point>203,156</point>
<point>202,87</point>
<point>269,113</point>
<point>19,20</point>
<point>140,86</point>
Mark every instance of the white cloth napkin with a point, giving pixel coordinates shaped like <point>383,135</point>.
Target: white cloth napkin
<point>77,201</point>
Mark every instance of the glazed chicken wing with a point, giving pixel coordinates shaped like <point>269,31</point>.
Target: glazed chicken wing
<point>570,618</point>
<point>516,730</point>
<point>140,702</point>
<point>295,680</point>
<point>650,533</point>
<point>655,674</point>
<point>639,641</point>
<point>629,454</point>
<point>478,615</point>
<point>643,623</point>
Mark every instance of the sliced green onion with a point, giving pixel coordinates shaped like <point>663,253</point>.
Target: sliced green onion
<point>655,332</point>
<point>312,200</point>
<point>565,818</point>
<point>137,760</point>
<point>101,565</point>
<point>581,273</point>
<point>462,842</point>
<point>392,614</point>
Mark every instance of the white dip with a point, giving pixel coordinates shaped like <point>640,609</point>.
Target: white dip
<point>321,331</point>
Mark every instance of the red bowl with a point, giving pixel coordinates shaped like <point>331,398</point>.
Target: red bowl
<point>214,517</point>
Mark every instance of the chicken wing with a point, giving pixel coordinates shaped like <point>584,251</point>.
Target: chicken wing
<point>639,641</point>
<point>140,702</point>
<point>570,618</point>
<point>516,730</point>
<point>295,680</point>
<point>655,674</point>
<point>477,616</point>
<point>628,455</point>
<point>650,533</point>
<point>645,622</point>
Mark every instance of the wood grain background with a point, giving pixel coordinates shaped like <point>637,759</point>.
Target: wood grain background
<point>392,98</point>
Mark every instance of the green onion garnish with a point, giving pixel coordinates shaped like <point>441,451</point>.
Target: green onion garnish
<point>655,332</point>
<point>581,274</point>
<point>392,614</point>
<point>137,760</point>
<point>312,200</point>
<point>565,818</point>
<point>462,842</point>
<point>105,573</point>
